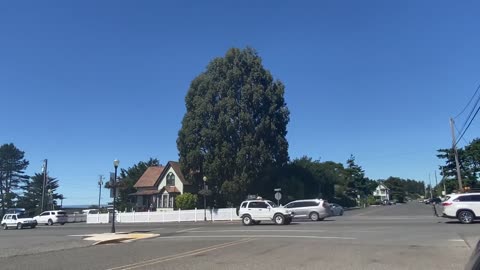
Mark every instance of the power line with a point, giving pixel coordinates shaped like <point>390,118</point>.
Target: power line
<point>470,101</point>
<point>461,136</point>
<point>469,115</point>
<point>459,133</point>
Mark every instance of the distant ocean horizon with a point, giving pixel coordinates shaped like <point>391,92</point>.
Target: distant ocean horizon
<point>83,206</point>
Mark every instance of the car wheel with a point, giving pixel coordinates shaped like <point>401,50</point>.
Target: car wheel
<point>247,220</point>
<point>19,226</point>
<point>4,226</point>
<point>465,216</point>
<point>279,219</point>
<point>314,216</point>
<point>50,222</point>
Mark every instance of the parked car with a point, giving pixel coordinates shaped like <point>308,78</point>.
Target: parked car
<point>337,209</point>
<point>314,209</point>
<point>465,207</point>
<point>252,212</point>
<point>52,217</point>
<point>18,221</point>
<point>90,211</point>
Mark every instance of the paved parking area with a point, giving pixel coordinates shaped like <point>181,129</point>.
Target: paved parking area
<point>391,237</point>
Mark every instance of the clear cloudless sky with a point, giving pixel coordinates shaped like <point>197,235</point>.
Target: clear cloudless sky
<point>85,82</point>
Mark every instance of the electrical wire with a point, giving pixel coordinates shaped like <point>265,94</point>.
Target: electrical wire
<point>461,136</point>
<point>470,101</point>
<point>459,133</point>
<point>469,115</point>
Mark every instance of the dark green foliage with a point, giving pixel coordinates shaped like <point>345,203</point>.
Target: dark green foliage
<point>186,201</point>
<point>235,125</point>
<point>12,167</point>
<point>357,183</point>
<point>401,188</point>
<point>32,193</point>
<point>128,178</point>
<point>469,160</point>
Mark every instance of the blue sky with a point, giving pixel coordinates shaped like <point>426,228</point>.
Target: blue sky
<point>84,82</point>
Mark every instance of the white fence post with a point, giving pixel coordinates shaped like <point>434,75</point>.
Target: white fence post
<point>195,214</point>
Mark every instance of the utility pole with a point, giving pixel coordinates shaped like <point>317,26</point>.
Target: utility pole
<point>44,170</point>
<point>430,180</point>
<point>100,184</point>
<point>454,146</point>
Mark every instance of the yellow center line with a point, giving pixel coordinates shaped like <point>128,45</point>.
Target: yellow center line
<point>181,255</point>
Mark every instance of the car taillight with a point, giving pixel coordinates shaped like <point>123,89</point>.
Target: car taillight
<point>446,203</point>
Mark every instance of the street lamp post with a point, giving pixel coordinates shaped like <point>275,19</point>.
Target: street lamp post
<point>205,198</point>
<point>50,201</point>
<point>100,184</point>
<point>115,164</point>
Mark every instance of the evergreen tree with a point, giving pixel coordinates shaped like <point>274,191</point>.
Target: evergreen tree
<point>235,125</point>
<point>32,193</point>
<point>12,173</point>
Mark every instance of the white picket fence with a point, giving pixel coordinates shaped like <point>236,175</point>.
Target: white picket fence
<point>222,214</point>
<point>77,218</point>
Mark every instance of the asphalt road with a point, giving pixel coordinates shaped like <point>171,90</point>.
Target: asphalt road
<point>385,237</point>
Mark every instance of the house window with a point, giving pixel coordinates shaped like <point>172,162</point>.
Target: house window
<point>170,179</point>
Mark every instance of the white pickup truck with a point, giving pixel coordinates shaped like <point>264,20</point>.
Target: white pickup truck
<point>18,221</point>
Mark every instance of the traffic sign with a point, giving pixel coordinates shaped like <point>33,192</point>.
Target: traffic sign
<point>278,196</point>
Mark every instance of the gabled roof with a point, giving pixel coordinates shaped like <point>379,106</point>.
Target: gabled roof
<point>150,177</point>
<point>383,185</point>
<point>176,168</point>
<point>169,189</point>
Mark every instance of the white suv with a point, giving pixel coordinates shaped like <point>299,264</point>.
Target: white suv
<point>464,207</point>
<point>252,212</point>
<point>52,217</point>
<point>18,221</point>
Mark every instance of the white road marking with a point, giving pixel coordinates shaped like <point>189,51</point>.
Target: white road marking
<point>225,231</point>
<point>259,236</point>
<point>456,240</point>
<point>188,230</point>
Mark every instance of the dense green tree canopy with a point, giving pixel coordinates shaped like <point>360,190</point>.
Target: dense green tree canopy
<point>32,193</point>
<point>235,124</point>
<point>12,167</point>
<point>469,159</point>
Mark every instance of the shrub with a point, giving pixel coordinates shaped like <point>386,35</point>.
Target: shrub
<point>186,201</point>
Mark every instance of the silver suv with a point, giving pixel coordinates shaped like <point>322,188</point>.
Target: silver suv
<point>252,212</point>
<point>313,209</point>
